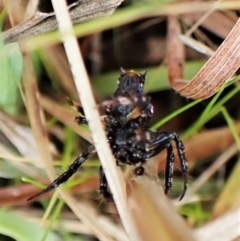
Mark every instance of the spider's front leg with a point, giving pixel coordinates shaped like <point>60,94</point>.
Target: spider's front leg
<point>68,174</point>
<point>75,106</point>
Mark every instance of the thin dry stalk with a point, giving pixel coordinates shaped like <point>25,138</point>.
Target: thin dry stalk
<point>114,178</point>
<point>202,18</point>
<point>229,197</point>
<point>36,115</point>
<point>88,216</point>
<point>31,7</point>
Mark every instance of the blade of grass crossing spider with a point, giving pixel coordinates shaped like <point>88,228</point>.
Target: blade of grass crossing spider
<point>202,119</point>
<point>31,181</point>
<point>49,207</point>
<point>217,108</point>
<point>80,180</point>
<point>54,217</point>
<point>174,114</point>
<point>213,108</point>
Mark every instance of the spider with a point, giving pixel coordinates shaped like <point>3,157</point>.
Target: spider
<point>126,114</point>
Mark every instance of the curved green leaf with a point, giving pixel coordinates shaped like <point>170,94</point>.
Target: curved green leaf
<point>11,65</point>
<point>18,228</point>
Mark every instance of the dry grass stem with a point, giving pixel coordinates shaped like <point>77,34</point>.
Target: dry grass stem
<point>114,178</point>
<point>229,197</point>
<point>221,160</point>
<point>225,228</point>
<point>36,115</point>
<point>88,216</point>
<point>196,45</point>
<point>202,18</point>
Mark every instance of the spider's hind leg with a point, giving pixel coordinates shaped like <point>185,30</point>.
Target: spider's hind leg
<point>68,174</point>
<point>154,142</point>
<point>169,168</point>
<point>164,139</point>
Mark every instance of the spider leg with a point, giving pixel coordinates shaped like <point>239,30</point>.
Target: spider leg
<point>169,168</point>
<point>81,120</point>
<point>146,115</point>
<point>151,143</point>
<point>67,174</point>
<point>166,137</point>
<point>104,186</point>
<point>75,106</point>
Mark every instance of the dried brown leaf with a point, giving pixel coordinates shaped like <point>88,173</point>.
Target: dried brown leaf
<point>18,195</point>
<point>43,22</point>
<point>175,52</point>
<point>11,7</point>
<point>218,69</point>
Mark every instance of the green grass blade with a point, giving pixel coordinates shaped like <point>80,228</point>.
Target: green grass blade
<point>174,114</point>
<point>20,229</point>
<point>11,66</point>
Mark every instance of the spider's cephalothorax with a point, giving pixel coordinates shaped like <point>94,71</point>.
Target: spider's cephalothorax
<point>126,114</point>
